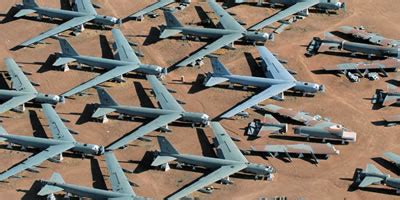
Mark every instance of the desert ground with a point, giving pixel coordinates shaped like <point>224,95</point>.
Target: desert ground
<point>343,102</point>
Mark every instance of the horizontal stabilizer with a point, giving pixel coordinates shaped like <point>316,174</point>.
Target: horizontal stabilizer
<point>369,181</point>
<point>215,81</point>
<point>63,60</point>
<point>168,33</point>
<point>24,12</point>
<point>50,189</point>
<point>102,111</point>
<point>162,160</point>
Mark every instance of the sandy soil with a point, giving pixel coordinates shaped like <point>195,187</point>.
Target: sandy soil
<point>344,102</point>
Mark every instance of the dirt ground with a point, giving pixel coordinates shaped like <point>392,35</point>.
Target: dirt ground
<point>343,102</point>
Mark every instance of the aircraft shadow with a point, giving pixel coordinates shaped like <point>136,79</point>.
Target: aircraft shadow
<point>144,164</point>
<point>254,67</point>
<point>206,147</point>
<point>144,99</point>
<point>106,51</point>
<point>387,164</point>
<point>205,19</point>
<point>9,16</point>
<point>31,193</point>
<point>302,139</point>
<point>37,127</point>
<point>97,176</point>
<point>379,123</point>
<point>152,37</point>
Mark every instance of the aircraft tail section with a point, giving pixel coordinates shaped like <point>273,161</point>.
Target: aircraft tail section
<point>172,22</point>
<point>29,3</point>
<point>165,146</point>
<point>105,98</point>
<point>218,67</point>
<point>66,48</point>
<point>49,188</point>
<point>372,175</point>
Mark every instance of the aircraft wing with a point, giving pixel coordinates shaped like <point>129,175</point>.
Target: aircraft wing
<point>117,71</point>
<point>226,20</point>
<point>391,99</point>
<point>151,8</point>
<point>266,94</point>
<point>124,50</point>
<point>58,29</point>
<point>145,129</point>
<point>166,100</point>
<point>214,176</point>
<point>273,68</point>
<point>390,63</point>
<point>393,157</point>
<point>58,129</point>
<point>226,148</point>
<point>85,6</point>
<point>301,5</point>
<point>36,159</point>
<point>19,81</point>
<point>15,102</point>
<point>289,113</point>
<point>119,181</point>
<point>217,44</point>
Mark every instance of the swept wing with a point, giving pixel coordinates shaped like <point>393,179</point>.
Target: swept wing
<point>226,148</point>
<point>124,50</point>
<point>58,129</point>
<point>166,100</point>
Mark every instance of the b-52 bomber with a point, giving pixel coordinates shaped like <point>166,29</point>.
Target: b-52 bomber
<point>316,127</point>
<point>23,91</point>
<point>231,31</point>
<point>299,7</point>
<point>149,10</point>
<point>51,149</point>
<point>374,38</point>
<point>125,61</point>
<point>277,80</point>
<point>82,13</point>
<point>372,175</point>
<point>170,111</point>
<point>230,161</point>
<point>121,188</point>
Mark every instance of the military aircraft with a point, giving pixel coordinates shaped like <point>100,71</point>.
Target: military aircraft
<point>392,120</point>
<point>23,90</point>
<point>51,149</point>
<point>332,42</point>
<point>374,38</point>
<point>316,127</point>
<point>277,80</point>
<point>297,6</point>
<point>314,150</point>
<point>149,10</point>
<point>121,188</point>
<point>268,125</point>
<point>231,32</point>
<point>170,111</point>
<point>125,62</point>
<point>395,158</point>
<point>390,97</point>
<point>372,175</point>
<point>83,13</point>
<point>230,161</point>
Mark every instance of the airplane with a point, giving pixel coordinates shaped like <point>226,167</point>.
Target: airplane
<point>83,13</point>
<point>392,120</point>
<point>51,149</point>
<point>297,6</point>
<point>23,90</point>
<point>374,38</point>
<point>388,98</point>
<point>316,127</point>
<point>332,42</point>
<point>149,10</point>
<point>125,61</point>
<point>395,158</point>
<point>314,150</point>
<point>277,80</point>
<point>121,188</point>
<point>372,175</point>
<point>231,31</point>
<point>170,111</point>
<point>230,161</point>
<point>268,125</point>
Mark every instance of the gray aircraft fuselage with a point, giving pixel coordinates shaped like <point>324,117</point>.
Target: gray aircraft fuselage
<point>68,14</point>
<point>323,5</point>
<point>213,163</point>
<point>40,97</point>
<point>267,82</point>
<point>194,117</point>
<point>216,33</point>
<point>368,49</point>
<point>44,143</point>
<point>111,63</point>
<point>93,193</point>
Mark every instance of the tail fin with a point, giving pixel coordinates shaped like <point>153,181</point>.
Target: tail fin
<point>369,178</point>
<point>218,67</point>
<point>171,20</point>
<point>372,169</point>
<point>105,98</point>
<point>66,48</point>
<point>29,3</point>
<point>166,146</point>
<point>50,189</point>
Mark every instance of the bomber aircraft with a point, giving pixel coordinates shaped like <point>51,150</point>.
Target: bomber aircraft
<point>51,149</point>
<point>83,12</point>
<point>149,10</point>
<point>372,175</point>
